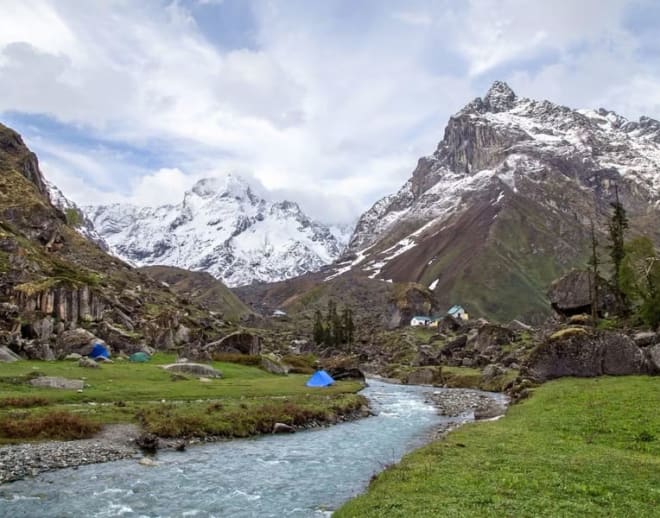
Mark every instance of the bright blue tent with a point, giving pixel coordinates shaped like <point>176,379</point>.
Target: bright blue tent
<point>320,379</point>
<point>99,352</point>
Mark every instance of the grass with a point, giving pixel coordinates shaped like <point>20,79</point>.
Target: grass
<point>578,447</point>
<point>51,425</point>
<point>568,333</point>
<point>124,392</point>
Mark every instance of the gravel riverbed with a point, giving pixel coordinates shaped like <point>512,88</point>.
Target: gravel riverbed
<point>28,460</point>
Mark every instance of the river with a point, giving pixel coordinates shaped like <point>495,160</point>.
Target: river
<point>305,474</point>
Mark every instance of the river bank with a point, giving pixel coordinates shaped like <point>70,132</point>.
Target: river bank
<point>118,441</point>
<point>576,447</point>
<point>304,474</point>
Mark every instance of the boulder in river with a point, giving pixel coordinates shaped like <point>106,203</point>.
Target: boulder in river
<point>283,428</point>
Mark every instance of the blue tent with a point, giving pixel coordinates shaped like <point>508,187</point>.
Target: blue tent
<point>99,352</point>
<point>320,379</point>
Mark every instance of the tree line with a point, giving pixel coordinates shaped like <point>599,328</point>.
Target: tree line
<point>635,277</point>
<point>334,328</point>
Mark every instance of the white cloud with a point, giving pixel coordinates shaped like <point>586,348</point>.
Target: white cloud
<point>499,31</point>
<point>317,109</point>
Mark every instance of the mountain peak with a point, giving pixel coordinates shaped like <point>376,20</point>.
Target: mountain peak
<point>500,97</point>
<point>231,185</point>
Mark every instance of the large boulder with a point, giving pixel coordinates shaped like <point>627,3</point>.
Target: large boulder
<point>240,342</point>
<point>654,358</point>
<point>492,337</point>
<point>343,368</point>
<point>57,383</point>
<point>193,369</point>
<point>7,355</point>
<point>449,324</point>
<point>271,364</point>
<point>77,340</point>
<point>585,353</point>
<point>572,294</point>
<point>645,338</point>
<point>36,350</point>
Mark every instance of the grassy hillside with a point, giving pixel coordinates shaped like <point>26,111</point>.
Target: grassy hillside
<point>578,447</point>
<point>201,288</point>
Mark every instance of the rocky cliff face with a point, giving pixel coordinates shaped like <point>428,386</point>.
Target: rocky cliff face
<point>504,204</point>
<point>74,215</point>
<point>223,228</point>
<point>59,292</point>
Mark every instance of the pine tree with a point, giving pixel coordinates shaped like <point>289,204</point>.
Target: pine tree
<point>319,331</point>
<point>349,326</point>
<point>617,226</point>
<point>330,323</point>
<point>594,274</point>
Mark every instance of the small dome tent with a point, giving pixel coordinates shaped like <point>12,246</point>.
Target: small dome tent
<point>320,379</point>
<point>139,357</point>
<point>99,351</point>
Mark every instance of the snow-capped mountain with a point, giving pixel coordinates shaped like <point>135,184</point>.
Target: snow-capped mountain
<point>505,202</point>
<point>74,215</point>
<point>221,227</point>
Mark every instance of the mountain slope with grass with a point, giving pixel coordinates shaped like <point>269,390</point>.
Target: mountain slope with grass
<point>505,203</point>
<point>59,290</point>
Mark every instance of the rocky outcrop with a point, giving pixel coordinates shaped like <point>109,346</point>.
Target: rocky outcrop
<point>343,368</point>
<point>11,143</point>
<point>654,358</point>
<point>572,294</point>
<point>77,340</point>
<point>586,354</point>
<point>273,365</point>
<point>7,355</point>
<point>239,342</point>
<point>64,302</point>
<point>409,300</point>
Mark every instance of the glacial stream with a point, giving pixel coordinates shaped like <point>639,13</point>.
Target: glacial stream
<point>305,474</point>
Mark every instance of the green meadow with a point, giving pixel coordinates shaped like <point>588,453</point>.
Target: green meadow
<point>245,401</point>
<point>577,447</point>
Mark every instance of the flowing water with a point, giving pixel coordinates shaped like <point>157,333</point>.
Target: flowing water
<point>299,475</point>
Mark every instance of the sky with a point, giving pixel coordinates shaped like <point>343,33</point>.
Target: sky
<point>329,104</point>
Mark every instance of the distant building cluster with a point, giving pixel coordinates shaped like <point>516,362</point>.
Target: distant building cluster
<point>455,311</point>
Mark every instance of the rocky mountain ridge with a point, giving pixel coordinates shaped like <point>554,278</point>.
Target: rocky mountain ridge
<point>60,292</point>
<point>223,228</point>
<point>504,204</point>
